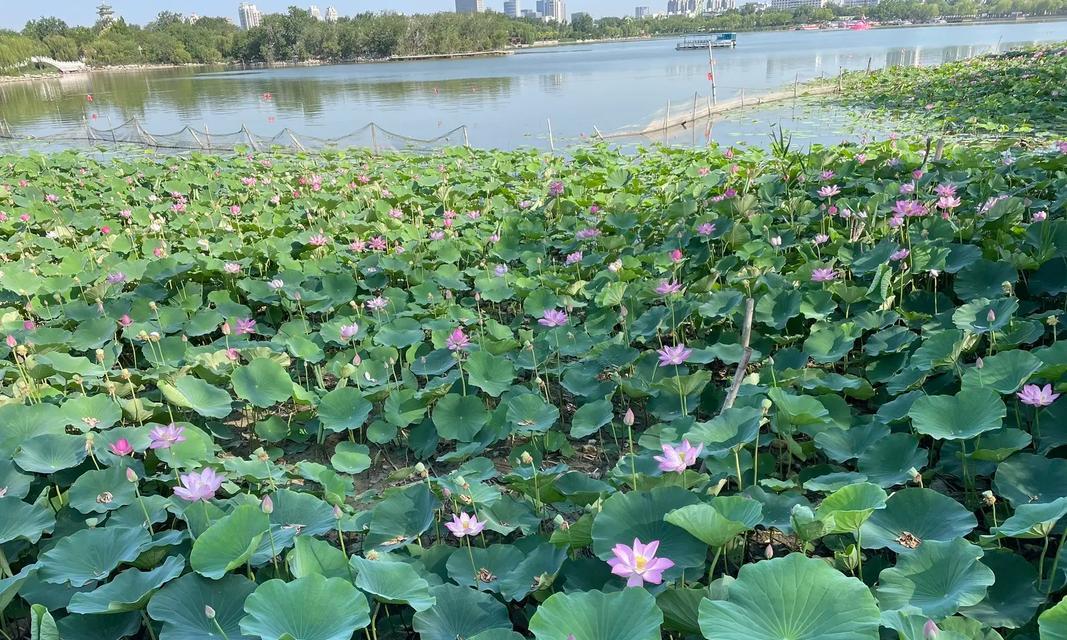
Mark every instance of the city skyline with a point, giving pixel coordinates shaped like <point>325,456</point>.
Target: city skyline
<point>82,12</point>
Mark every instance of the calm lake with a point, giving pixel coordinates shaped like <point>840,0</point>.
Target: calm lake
<point>505,101</point>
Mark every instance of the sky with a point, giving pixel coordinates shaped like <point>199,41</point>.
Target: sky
<point>15,13</point>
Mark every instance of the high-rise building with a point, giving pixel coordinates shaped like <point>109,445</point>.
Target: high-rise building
<point>331,14</point>
<point>512,8</point>
<point>642,12</point>
<point>470,6</point>
<point>314,11</point>
<point>249,15</point>
<point>105,14</point>
<point>793,4</point>
<point>541,7</point>
<point>555,11</point>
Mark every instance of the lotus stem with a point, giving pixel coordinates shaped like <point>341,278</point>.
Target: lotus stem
<point>714,565</point>
<point>1055,562</point>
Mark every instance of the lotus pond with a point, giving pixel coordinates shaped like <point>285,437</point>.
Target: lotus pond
<point>727,394</point>
<point>1019,93</point>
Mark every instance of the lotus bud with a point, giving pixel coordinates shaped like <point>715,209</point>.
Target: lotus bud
<point>916,477</point>
<point>991,316</point>
<point>628,417</point>
<point>930,630</point>
<point>461,481</point>
<point>1006,288</point>
<point>560,522</point>
<point>337,512</point>
<point>768,552</point>
<point>988,498</point>
<point>526,458</point>
<point>373,555</point>
<point>131,475</point>
<point>267,505</point>
<point>125,373</point>
<point>446,492</point>
<point>979,363</point>
<point>209,613</point>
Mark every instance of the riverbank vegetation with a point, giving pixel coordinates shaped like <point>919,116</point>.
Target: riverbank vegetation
<point>1020,93</point>
<point>737,395</point>
<point>296,36</point>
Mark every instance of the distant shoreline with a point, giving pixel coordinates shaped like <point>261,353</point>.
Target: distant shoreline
<point>547,44</point>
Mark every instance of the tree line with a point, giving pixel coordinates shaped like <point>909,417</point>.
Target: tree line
<point>297,36</point>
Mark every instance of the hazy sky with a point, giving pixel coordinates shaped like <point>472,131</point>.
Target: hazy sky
<point>15,13</point>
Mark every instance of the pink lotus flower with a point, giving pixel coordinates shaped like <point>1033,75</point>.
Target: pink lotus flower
<point>457,340</point>
<point>776,241</point>
<point>235,210</point>
<point>553,318</point>
<point>667,287</point>
<point>555,188</point>
<point>821,239</point>
<point>465,525</point>
<point>586,234</point>
<point>931,631</point>
<point>245,326</point>
<point>166,437</point>
<point>437,234</point>
<point>377,243</point>
<point>574,257</point>
<point>318,240</point>
<point>11,342</point>
<point>122,447</point>
<point>823,275</point>
<point>945,189</point>
<point>231,268</point>
<point>677,460</point>
<point>676,255</point>
<point>948,202</point>
<point>349,331</point>
<point>1036,396</point>
<point>827,175</point>
<point>899,255</point>
<point>1040,216</point>
<point>706,229</point>
<point>673,356</point>
<point>829,191</point>
<point>909,208</point>
<point>198,486</point>
<point>639,564</point>
<point>377,304</point>
<point>125,321</point>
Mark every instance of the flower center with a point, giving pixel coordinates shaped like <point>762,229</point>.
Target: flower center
<point>640,562</point>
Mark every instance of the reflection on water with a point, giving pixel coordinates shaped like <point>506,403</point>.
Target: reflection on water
<point>504,101</point>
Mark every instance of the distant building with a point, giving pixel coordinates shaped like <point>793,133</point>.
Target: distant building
<point>470,6</point>
<point>642,12</point>
<point>530,13</point>
<point>105,14</point>
<point>794,4</point>
<point>314,11</point>
<point>192,18</point>
<point>513,8</point>
<point>331,14</point>
<point>541,6</point>
<point>248,15</point>
<point>555,11</point>
<point>721,6</point>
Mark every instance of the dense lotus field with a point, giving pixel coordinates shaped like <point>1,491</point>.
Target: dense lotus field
<point>1019,93</point>
<point>722,394</point>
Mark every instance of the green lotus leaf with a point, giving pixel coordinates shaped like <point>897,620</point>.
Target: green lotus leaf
<point>719,521</point>
<point>798,410</point>
<point>229,542</point>
<point>459,612</point>
<point>76,626</point>
<point>975,316</point>
<point>263,382</point>
<point>102,491</point>
<point>1032,520</point>
<point>19,520</point>
<point>301,511</point>
<point>492,374</point>
<point>630,614</point>
<point>193,393</point>
<point>640,514</point>
<point>1053,622</point>
<point>1004,372</point>
<point>681,608</point>
<point>528,412</point>
<point>983,279</point>
<point>308,608</point>
<point>51,453</point>
<point>842,445</point>
<point>434,363</point>
<point>846,509</point>
<point>392,582</point>
<point>91,412</point>
<point>180,607</point>
<point>936,579</point>
<point>1014,597</point>
<point>488,564</point>
<point>459,417</point>
<point>967,414</point>
<point>9,587</point>
<point>311,556</point>
<point>16,485</point>
<point>91,554</point>
<point>1000,444</point>
<point>128,591</point>
<point>497,634</point>
<point>401,516</point>
<point>343,409</point>
<point>589,418</point>
<point>350,457</point>
<point>1025,478</point>
<point>400,333</point>
<point>42,624</point>
<point>890,461</point>
<point>197,450</point>
<point>19,423</point>
<point>923,513</point>
<point>536,570</point>
<point>793,597</point>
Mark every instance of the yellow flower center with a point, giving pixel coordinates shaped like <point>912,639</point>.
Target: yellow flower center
<point>640,562</point>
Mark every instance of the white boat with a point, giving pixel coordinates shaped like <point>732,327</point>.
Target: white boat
<point>705,41</point>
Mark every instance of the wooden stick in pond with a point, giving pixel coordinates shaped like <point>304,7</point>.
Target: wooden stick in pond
<point>746,356</point>
<point>551,137</point>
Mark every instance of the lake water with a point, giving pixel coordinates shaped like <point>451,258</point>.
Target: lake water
<point>506,101</point>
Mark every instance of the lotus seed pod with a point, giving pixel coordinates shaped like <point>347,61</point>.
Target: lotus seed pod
<point>100,356</point>
<point>988,498</point>
<point>526,458</point>
<point>420,469</point>
<point>373,555</point>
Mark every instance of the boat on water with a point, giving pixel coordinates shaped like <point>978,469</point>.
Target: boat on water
<point>705,41</point>
<point>859,25</point>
